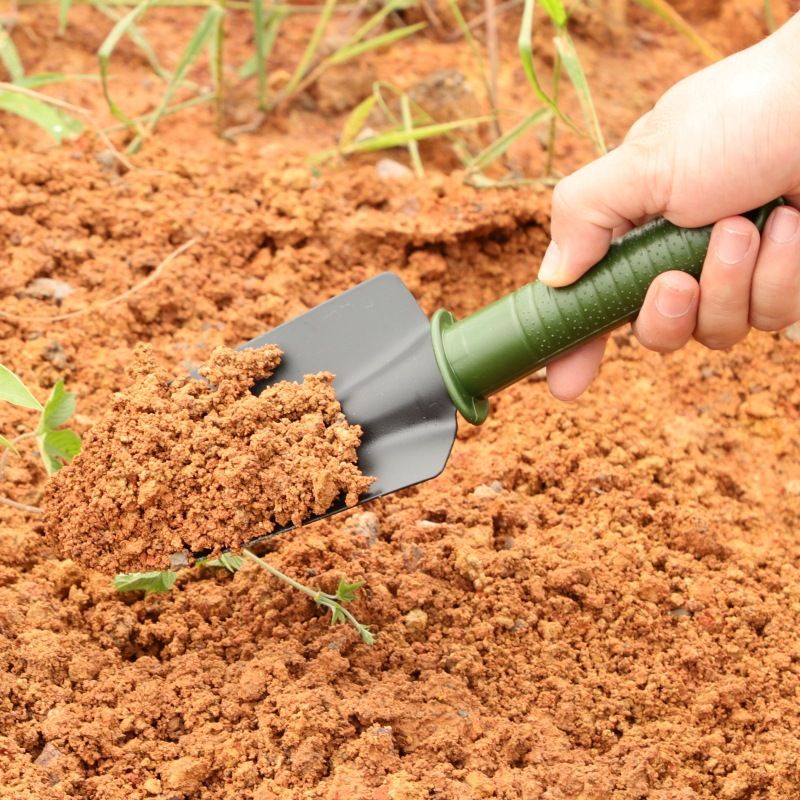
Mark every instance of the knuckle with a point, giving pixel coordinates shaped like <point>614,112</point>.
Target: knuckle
<point>654,162</point>
<point>717,340</point>
<point>772,320</point>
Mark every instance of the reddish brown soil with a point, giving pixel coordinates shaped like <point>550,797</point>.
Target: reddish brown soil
<point>597,600</point>
<point>183,466</point>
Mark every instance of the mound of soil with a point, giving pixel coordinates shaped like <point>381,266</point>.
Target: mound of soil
<point>178,465</point>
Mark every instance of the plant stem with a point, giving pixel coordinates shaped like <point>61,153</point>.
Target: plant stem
<point>551,135</point>
<point>329,601</point>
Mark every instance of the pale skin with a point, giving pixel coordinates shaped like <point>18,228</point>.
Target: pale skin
<point>718,143</point>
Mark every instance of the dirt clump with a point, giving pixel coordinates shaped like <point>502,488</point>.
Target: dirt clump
<point>200,465</point>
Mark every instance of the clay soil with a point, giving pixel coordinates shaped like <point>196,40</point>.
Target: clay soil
<point>179,466</point>
<point>596,600</point>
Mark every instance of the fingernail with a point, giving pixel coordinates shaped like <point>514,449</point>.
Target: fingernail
<point>783,225</point>
<point>732,245</point>
<point>549,268</point>
<point>673,301</point>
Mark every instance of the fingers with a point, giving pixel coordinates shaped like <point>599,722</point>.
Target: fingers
<point>593,203</point>
<point>724,314</point>
<point>669,312</point>
<point>568,376</point>
<point>775,293</point>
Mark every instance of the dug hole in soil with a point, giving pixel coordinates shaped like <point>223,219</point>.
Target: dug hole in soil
<point>596,600</point>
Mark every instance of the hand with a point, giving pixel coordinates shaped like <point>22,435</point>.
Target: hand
<point>717,144</point>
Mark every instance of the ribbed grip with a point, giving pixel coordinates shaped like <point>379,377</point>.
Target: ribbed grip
<point>530,327</point>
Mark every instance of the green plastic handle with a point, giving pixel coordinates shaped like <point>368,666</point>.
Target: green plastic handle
<point>520,333</point>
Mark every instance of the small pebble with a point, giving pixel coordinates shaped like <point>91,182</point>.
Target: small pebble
<point>388,169</point>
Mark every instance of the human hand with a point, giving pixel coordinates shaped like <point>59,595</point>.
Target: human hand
<point>717,144</point>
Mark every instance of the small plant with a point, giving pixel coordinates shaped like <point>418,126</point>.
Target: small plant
<point>25,103</point>
<point>156,582</point>
<point>209,38</point>
<point>56,445</point>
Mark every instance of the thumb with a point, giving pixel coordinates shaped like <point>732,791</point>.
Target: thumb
<point>594,204</point>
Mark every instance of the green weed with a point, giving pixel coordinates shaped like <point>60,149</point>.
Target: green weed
<point>155,582</point>
<point>28,104</point>
<point>56,445</point>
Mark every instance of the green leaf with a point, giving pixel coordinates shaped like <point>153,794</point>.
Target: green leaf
<point>572,64</point>
<point>556,11</point>
<point>58,448</point>
<point>347,592</point>
<point>355,122</point>
<point>147,582</point>
<point>382,40</point>
<point>499,146</point>
<point>60,406</point>
<point>5,444</point>
<point>413,145</point>
<point>46,78</point>
<point>367,636</point>
<point>208,25</point>
<point>59,125</point>
<point>13,390</point>
<point>525,47</point>
<point>63,15</point>
<point>274,21</point>
<point>10,57</point>
<point>230,561</point>
<point>663,9</point>
<point>337,615</point>
<point>138,38</point>
<point>311,49</point>
<point>260,40</point>
<point>385,141</point>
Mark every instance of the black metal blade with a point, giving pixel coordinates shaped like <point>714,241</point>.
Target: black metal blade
<point>376,340</point>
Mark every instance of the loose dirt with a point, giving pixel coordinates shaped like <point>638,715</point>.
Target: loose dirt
<point>183,466</point>
<point>596,600</point>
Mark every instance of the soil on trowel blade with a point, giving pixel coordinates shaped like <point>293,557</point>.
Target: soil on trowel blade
<point>178,465</point>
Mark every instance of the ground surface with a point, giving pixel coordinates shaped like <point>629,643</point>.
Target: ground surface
<point>598,600</point>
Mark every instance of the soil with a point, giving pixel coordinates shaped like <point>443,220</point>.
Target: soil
<point>179,466</point>
<point>594,600</point>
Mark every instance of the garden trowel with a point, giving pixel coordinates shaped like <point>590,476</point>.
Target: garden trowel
<point>402,376</point>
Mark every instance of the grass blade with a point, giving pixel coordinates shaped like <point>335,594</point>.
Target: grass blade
<point>413,145</point>
<point>104,56</point>
<point>139,39</point>
<point>381,40</point>
<point>200,37</point>
<point>274,21</point>
<point>401,138</point>
<point>260,38</point>
<point>46,78</point>
<point>63,15</point>
<point>310,52</point>
<point>498,147</point>
<point>572,64</point>
<point>58,124</point>
<point>216,58</point>
<point>556,11</point>
<point>10,57</point>
<point>355,122</point>
<point>525,47</point>
<point>664,10</point>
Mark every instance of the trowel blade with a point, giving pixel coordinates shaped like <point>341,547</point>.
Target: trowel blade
<point>376,340</point>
